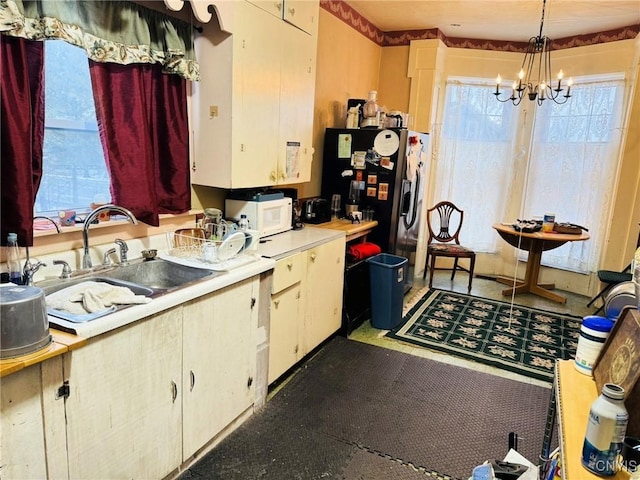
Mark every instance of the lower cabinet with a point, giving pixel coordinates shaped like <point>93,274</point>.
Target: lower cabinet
<point>323,292</point>
<point>219,361</point>
<point>124,410</point>
<point>144,398</point>
<point>32,429</point>
<point>284,331</point>
<point>306,303</point>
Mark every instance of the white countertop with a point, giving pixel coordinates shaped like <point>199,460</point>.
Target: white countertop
<point>133,313</point>
<point>283,244</point>
<point>270,249</point>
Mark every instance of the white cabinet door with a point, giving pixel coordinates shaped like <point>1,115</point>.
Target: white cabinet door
<point>302,13</point>
<point>285,328</point>
<point>124,409</point>
<point>274,7</point>
<point>219,346</point>
<point>323,292</point>
<point>258,64</point>
<point>253,107</point>
<point>22,444</point>
<point>296,106</point>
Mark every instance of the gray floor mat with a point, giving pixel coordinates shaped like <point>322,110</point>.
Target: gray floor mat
<point>360,411</point>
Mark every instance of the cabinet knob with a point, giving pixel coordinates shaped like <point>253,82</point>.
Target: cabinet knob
<point>283,176</point>
<point>273,176</point>
<point>278,6</point>
<point>289,265</point>
<point>292,11</point>
<point>313,257</point>
<point>276,303</point>
<point>193,380</point>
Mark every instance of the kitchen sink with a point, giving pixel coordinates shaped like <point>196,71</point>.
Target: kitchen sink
<point>159,274</point>
<point>148,278</point>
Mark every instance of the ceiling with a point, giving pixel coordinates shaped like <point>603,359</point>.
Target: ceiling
<point>514,20</point>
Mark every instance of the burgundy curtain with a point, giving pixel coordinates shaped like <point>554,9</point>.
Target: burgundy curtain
<point>22,133</point>
<point>142,120</point>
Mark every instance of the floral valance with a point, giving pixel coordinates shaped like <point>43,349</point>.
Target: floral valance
<point>109,31</point>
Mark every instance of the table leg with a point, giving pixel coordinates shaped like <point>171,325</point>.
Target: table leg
<point>530,282</point>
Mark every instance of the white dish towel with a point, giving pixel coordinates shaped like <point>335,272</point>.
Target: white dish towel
<point>92,297</point>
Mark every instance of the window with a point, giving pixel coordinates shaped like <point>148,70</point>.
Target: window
<point>573,167</point>
<point>74,169</point>
<point>474,160</point>
<point>569,169</point>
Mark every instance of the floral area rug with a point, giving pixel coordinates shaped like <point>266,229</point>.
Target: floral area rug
<point>516,338</point>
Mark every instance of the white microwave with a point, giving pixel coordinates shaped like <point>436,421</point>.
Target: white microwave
<point>267,217</point>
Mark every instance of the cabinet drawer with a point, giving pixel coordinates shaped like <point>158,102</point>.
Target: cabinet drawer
<point>288,271</point>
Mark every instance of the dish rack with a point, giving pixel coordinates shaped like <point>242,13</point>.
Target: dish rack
<point>192,248</point>
<point>182,245</point>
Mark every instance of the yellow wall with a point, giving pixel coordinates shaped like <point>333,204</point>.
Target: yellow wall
<point>347,67</point>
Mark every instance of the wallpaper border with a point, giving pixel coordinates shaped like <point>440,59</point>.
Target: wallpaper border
<point>351,17</point>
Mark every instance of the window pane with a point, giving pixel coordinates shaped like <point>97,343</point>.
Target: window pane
<point>74,170</point>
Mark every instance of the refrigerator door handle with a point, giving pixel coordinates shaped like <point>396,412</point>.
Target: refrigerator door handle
<point>410,201</point>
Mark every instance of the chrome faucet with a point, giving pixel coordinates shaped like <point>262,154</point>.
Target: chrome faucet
<point>124,248</point>
<point>86,259</point>
<point>106,261</point>
<point>29,270</point>
<point>66,269</point>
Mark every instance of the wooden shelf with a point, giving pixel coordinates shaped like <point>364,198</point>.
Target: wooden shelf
<point>575,392</point>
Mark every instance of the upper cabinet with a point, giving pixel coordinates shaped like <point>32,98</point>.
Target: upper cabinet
<point>300,13</point>
<point>252,110</point>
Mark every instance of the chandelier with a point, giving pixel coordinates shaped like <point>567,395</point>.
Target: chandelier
<point>534,79</point>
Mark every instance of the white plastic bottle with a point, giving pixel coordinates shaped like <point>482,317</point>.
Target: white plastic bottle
<point>606,428</point>
<point>243,223</point>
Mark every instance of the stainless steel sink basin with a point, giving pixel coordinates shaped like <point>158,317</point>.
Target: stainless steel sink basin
<point>158,274</point>
<point>148,278</point>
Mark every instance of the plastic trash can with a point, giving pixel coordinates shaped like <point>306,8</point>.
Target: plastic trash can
<point>387,276</point>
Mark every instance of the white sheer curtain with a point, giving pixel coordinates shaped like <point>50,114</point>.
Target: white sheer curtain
<point>474,168</point>
<point>573,167</point>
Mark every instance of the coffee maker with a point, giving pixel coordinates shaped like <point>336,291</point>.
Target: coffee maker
<point>353,202</point>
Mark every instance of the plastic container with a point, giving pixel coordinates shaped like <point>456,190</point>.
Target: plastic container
<point>593,333</point>
<point>387,276</point>
<point>606,428</point>
<point>243,223</point>
<point>13,259</point>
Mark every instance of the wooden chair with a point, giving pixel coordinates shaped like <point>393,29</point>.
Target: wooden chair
<point>445,243</point>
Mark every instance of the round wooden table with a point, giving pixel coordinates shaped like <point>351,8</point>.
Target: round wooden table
<point>535,243</point>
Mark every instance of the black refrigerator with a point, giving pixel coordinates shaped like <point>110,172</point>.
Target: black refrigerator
<point>390,168</point>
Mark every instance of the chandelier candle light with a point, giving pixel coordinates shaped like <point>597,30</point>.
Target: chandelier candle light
<point>534,78</point>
